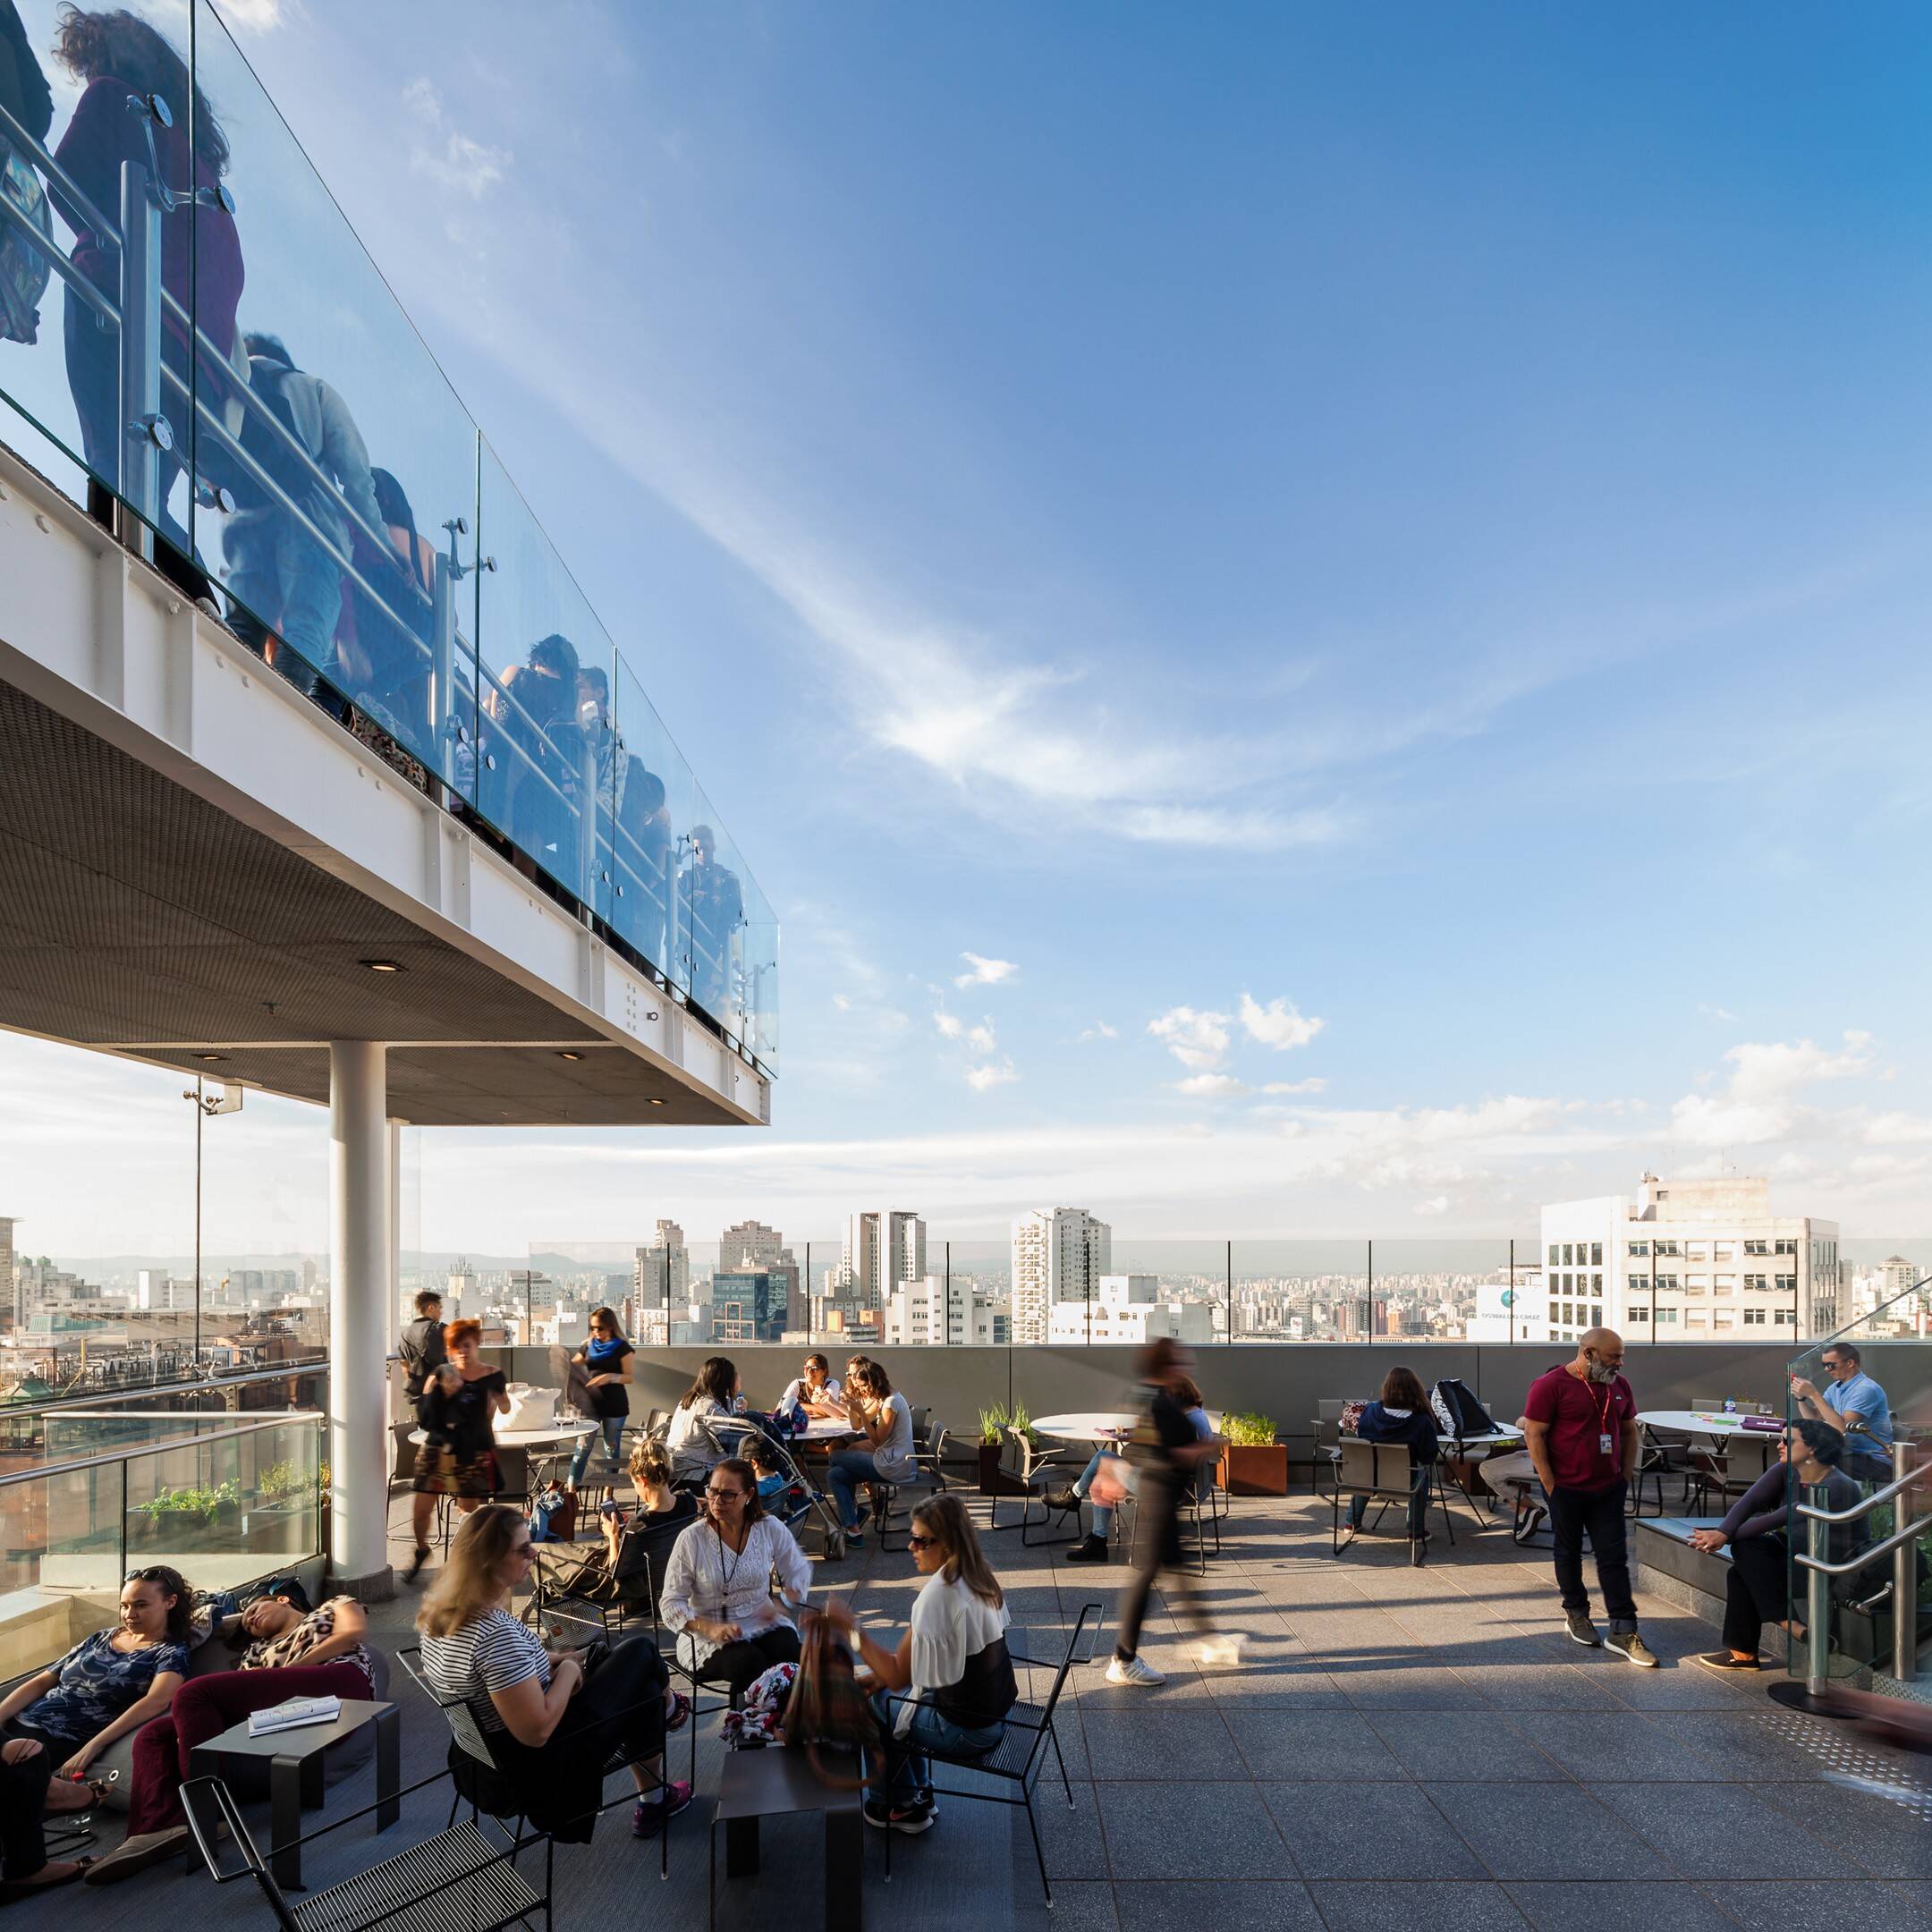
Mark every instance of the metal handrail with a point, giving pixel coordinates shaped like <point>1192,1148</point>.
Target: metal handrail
<point>1866,1504</point>
<point>45,1469</point>
<point>315,1364</point>
<point>1901,1545</point>
<point>1870,1553</point>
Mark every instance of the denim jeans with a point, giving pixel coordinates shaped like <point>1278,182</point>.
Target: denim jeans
<point>1103,1513</point>
<point>849,1468</point>
<point>610,1429</point>
<point>286,579</point>
<point>908,1769</point>
<point>1418,1488</point>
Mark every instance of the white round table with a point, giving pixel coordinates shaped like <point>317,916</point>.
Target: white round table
<point>1094,1426</point>
<point>825,1430</point>
<point>1691,1422</point>
<point>523,1439</point>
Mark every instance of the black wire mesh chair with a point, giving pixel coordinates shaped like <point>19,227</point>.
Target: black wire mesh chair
<point>464,1879</point>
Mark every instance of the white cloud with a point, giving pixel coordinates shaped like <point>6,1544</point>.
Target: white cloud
<point>445,154</point>
<point>842,1002</point>
<point>993,1075</point>
<point>1314,1084</point>
<point>1436,1204</point>
<point>1211,1085</point>
<point>980,1038</point>
<point>950,1026</point>
<point>1717,1012</point>
<point>1196,1039</point>
<point>1279,1024</point>
<point>1100,1030</point>
<point>985,971</point>
<point>1759,1101</point>
<point>258,16</point>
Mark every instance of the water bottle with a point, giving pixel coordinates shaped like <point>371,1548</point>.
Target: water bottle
<point>1730,1405</point>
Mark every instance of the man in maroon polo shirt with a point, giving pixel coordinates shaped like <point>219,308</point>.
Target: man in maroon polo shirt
<point>1580,1419</point>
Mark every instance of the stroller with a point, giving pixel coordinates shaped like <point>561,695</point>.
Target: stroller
<point>802,1502</point>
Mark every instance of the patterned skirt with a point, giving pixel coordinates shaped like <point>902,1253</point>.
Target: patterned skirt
<point>441,1472</point>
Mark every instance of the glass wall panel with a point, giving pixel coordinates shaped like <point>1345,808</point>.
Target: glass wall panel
<point>654,790</point>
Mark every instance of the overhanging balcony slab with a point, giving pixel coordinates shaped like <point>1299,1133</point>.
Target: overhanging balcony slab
<point>195,861</point>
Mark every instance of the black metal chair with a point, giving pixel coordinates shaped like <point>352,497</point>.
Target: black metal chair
<point>464,1879</point>
<point>1016,1760</point>
<point>476,1774</point>
<point>1037,1467</point>
<point>931,1459</point>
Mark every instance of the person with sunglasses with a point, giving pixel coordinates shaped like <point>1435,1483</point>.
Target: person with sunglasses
<point>716,1592</point>
<point>1855,1406</point>
<point>950,1683</point>
<point>55,1723</point>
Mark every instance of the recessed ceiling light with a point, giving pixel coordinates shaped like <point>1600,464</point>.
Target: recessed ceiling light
<point>211,1057</point>
<point>570,1057</point>
<point>380,965</point>
<point>655,1102</point>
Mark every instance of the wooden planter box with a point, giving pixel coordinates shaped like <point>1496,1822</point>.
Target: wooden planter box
<point>994,1478</point>
<point>1255,1468</point>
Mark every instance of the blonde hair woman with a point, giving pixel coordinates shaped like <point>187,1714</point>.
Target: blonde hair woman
<point>552,1742</point>
<point>952,1675</point>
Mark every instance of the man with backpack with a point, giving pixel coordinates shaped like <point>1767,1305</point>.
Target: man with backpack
<point>289,583</point>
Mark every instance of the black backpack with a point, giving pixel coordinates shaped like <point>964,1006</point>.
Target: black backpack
<point>1458,1412</point>
<point>284,468</point>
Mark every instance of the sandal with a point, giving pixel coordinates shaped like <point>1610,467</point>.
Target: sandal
<point>680,1712</point>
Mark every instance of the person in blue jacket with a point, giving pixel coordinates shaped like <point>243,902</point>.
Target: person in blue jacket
<point>1402,1416</point>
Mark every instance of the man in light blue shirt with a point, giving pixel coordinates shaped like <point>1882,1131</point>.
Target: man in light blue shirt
<point>1850,1395</point>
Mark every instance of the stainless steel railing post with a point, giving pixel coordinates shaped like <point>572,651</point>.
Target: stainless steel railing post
<point>143,431</point>
<point>1817,1602</point>
<point>1904,1577</point>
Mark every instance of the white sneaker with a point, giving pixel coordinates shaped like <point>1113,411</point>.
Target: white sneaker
<point>1132,1672</point>
<point>1214,1651</point>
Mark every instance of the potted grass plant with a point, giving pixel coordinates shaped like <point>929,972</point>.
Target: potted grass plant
<point>995,1421</point>
<point>1253,1463</point>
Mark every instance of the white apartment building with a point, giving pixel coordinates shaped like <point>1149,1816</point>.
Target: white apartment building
<point>9,1303</point>
<point>884,1250</point>
<point>663,1271</point>
<point>1059,1254</point>
<point>1129,1309</point>
<point>1509,1309</point>
<point>1689,1261</point>
<point>924,1314</point>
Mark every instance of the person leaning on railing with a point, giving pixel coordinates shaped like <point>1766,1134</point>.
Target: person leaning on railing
<point>552,1721</point>
<point>55,1723</point>
<point>292,1652</point>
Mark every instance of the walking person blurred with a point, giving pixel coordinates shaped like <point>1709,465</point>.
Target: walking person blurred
<point>1168,1450</point>
<point>1580,1421</point>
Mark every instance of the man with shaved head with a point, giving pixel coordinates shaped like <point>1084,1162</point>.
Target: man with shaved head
<point>1580,1419</point>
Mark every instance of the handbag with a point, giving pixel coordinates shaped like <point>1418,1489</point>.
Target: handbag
<point>827,1705</point>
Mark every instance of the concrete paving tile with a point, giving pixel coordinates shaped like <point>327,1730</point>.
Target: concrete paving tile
<point>1601,1905</point>
<point>1545,1831</point>
<point>1079,1904</point>
<point>1537,1686</point>
<point>1722,1831</point>
<point>1821,1906</point>
<point>1383,1686</point>
<point>1368,1831</point>
<point>1887,1839</point>
<point>1232,1905</point>
<point>1440,1906</point>
<point>1459,1746</point>
<point>1316,1747</point>
<point>1612,1745</point>
<point>1191,1831</point>
<point>1134,1744</point>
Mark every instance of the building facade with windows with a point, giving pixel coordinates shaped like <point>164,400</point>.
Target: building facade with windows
<point>1059,1254</point>
<point>1689,1261</point>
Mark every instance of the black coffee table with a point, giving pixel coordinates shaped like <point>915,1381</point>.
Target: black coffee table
<point>295,1762</point>
<point>777,1782</point>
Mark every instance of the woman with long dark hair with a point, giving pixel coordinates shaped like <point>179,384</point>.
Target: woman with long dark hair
<point>605,1359</point>
<point>1402,1416</point>
<point>57,1721</point>
<point>716,1593</point>
<point>713,1392</point>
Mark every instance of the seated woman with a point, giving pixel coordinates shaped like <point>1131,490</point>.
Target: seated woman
<point>1095,1547</point>
<point>1757,1531</point>
<point>597,1575</point>
<point>814,1391</point>
<point>552,1722</point>
<point>605,1363</point>
<point>950,1683</point>
<point>288,1655</point>
<point>886,1423</point>
<point>716,1590</point>
<point>713,1392</point>
<point>55,1723</point>
<point>1402,1416</point>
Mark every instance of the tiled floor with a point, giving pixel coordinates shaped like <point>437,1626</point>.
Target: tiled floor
<point>1397,1749</point>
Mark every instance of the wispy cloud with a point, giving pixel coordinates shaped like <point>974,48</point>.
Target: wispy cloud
<point>980,1038</point>
<point>1211,1085</point>
<point>1196,1039</point>
<point>998,1074</point>
<point>982,971</point>
<point>442,153</point>
<point>1717,1012</point>
<point>1314,1084</point>
<point>1100,1030</point>
<point>1759,1100</point>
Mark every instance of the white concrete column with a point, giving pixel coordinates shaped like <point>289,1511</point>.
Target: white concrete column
<point>359,1249</point>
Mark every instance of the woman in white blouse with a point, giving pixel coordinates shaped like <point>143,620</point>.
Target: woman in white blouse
<point>714,1392</point>
<point>716,1592</point>
<point>950,1683</point>
<point>885,1424</point>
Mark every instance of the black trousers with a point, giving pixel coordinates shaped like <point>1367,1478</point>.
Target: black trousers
<point>742,1663</point>
<point>1597,1513</point>
<point>23,1789</point>
<point>1755,1591</point>
<point>1157,1547</point>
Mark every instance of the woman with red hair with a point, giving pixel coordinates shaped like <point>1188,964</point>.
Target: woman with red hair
<point>460,1406</point>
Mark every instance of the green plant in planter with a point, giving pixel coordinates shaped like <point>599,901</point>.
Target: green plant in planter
<point>205,1504</point>
<point>993,1421</point>
<point>1248,1431</point>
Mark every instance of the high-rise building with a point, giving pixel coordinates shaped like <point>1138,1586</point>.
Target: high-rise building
<point>1059,1254</point>
<point>1689,1261</point>
<point>750,1247</point>
<point>1897,1276</point>
<point>663,1268</point>
<point>884,1248</point>
<point>749,1304</point>
<point>9,1291</point>
<point>461,1292</point>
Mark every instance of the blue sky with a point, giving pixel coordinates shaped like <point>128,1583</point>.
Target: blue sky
<point>1408,518</point>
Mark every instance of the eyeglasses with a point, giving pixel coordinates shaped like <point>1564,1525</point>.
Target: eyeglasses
<point>725,1496</point>
<point>914,1540</point>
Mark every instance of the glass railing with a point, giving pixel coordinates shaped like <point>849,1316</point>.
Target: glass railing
<point>1845,1579</point>
<point>223,1510</point>
<point>217,352</point>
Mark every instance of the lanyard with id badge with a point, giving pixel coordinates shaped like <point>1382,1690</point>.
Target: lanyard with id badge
<point>1605,1442</point>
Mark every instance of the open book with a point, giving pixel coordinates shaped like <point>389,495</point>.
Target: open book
<point>291,1716</point>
